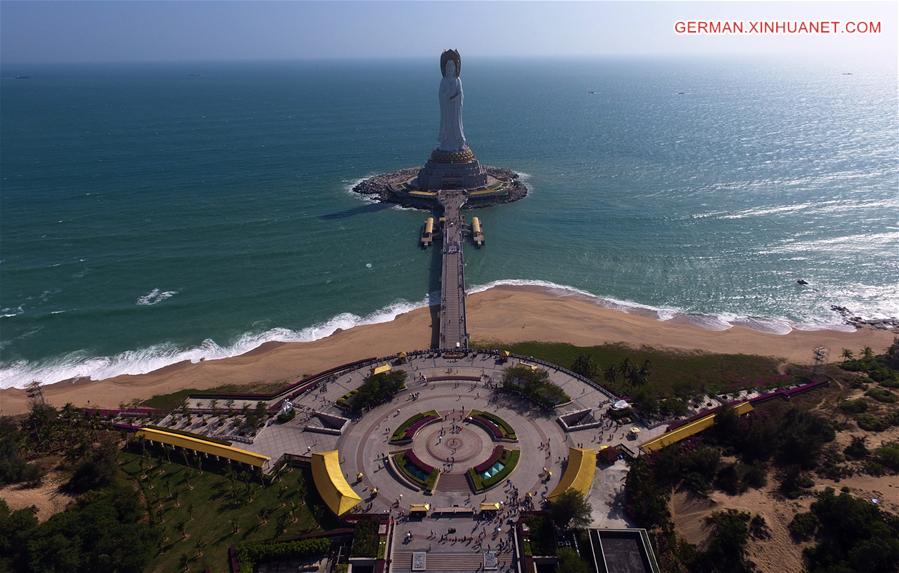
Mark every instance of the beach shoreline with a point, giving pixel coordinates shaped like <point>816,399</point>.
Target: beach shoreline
<point>501,314</point>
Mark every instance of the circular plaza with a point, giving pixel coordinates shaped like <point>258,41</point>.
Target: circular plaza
<point>453,438</point>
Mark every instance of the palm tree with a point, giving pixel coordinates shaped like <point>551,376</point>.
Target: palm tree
<point>847,354</point>
<point>625,367</point>
<point>611,374</point>
<point>868,353</point>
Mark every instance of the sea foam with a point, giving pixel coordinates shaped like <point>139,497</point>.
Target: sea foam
<point>155,296</point>
<point>81,365</point>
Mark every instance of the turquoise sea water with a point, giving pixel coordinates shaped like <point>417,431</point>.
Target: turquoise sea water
<point>154,213</point>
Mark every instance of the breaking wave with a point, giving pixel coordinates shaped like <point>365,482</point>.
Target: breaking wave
<point>81,365</point>
<point>155,296</point>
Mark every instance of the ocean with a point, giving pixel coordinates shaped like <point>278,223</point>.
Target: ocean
<point>159,212</point>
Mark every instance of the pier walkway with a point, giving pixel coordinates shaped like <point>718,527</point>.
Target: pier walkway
<point>453,330</point>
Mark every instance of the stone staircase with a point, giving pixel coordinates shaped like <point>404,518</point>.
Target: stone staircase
<point>453,482</point>
<point>460,562</point>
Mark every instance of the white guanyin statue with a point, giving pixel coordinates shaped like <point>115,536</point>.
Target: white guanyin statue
<point>451,137</point>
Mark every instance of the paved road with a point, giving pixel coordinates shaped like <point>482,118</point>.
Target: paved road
<point>453,331</point>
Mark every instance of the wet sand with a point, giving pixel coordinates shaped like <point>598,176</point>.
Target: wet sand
<point>503,314</point>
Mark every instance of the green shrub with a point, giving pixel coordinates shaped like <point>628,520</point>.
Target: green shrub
<point>728,480</point>
<point>857,449</point>
<point>854,406</point>
<point>285,417</point>
<point>571,562</point>
<point>755,476</point>
<point>888,455</point>
<point>852,535</point>
<point>249,554</point>
<point>882,395</point>
<point>365,538</point>
<point>803,526</point>
<point>872,423</point>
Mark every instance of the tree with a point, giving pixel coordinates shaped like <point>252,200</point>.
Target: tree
<point>646,500</point>
<point>867,353</point>
<point>726,546</point>
<point>584,366</point>
<point>857,449</point>
<point>14,468</point>
<point>847,354</point>
<point>852,535</point>
<point>611,374</point>
<point>377,389</point>
<point>571,562</point>
<point>96,470</point>
<point>570,509</point>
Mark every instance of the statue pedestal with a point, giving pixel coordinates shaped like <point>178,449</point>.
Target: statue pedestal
<point>451,170</point>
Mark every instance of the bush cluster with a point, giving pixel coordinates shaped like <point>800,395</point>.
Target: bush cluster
<point>249,554</point>
<point>534,384</point>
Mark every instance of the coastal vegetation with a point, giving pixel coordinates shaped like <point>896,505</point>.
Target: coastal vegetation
<point>850,534</point>
<point>875,377</point>
<point>534,384</point>
<point>661,382</point>
<point>792,444</point>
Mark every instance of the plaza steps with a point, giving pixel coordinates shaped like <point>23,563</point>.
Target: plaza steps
<point>467,562</point>
<point>453,482</point>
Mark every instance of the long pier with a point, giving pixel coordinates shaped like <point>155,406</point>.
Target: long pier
<point>453,329</point>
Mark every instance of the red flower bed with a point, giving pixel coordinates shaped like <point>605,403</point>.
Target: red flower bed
<point>488,426</point>
<point>410,431</point>
<point>484,466</point>
<point>414,460</point>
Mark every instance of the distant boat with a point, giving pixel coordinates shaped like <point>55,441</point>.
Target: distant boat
<point>802,282</point>
<point>23,77</point>
<point>592,92</point>
<point>847,73</point>
<point>680,93</point>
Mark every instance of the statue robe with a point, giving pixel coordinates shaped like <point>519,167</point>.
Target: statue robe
<point>451,136</point>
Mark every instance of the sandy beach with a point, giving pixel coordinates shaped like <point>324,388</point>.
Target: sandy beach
<point>503,314</point>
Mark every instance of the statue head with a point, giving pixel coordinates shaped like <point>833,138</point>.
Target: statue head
<point>447,57</point>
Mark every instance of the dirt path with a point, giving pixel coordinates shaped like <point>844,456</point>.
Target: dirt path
<point>46,498</point>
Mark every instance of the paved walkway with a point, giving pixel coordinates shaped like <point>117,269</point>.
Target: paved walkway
<point>453,330</point>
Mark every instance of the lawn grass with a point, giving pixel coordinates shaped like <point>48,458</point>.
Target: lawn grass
<point>169,402</point>
<point>671,373</point>
<point>207,506</point>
